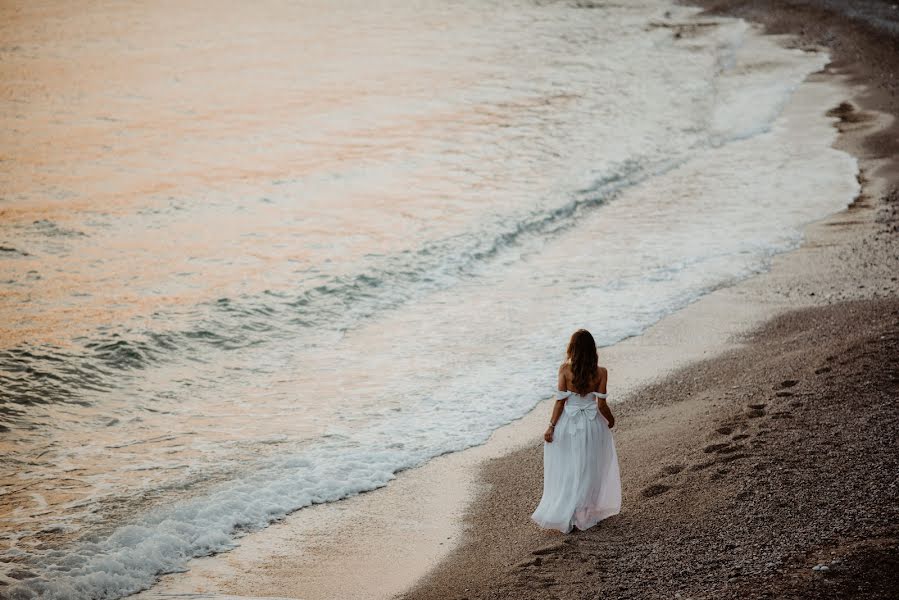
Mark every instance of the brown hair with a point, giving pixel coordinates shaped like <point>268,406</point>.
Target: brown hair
<point>582,356</point>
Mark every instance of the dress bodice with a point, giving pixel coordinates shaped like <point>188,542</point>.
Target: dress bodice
<point>579,408</point>
<point>574,397</point>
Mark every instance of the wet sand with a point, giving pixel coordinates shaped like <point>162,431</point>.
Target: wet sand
<point>767,470</point>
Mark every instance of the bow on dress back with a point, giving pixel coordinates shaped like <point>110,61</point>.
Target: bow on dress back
<point>580,409</point>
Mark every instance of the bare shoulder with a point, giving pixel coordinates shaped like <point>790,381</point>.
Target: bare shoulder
<point>602,374</point>
<point>564,373</point>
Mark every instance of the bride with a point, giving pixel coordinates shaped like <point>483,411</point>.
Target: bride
<point>581,483</point>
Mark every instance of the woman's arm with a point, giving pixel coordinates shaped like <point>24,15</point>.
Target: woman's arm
<point>553,419</point>
<point>557,407</point>
<point>603,407</point>
<point>601,403</point>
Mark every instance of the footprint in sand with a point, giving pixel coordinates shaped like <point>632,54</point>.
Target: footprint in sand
<point>723,449</point>
<point>550,549</point>
<point>786,383</point>
<point>715,448</point>
<point>732,457</point>
<point>673,469</point>
<point>739,437</point>
<point>530,562</point>
<point>654,490</point>
<point>822,370</point>
<point>724,430</point>
<point>753,411</point>
<point>702,465</point>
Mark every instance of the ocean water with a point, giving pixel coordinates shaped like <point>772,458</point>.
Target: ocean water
<point>259,256</point>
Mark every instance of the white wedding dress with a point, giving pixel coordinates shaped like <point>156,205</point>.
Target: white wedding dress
<point>581,482</point>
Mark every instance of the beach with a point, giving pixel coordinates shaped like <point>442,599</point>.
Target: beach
<point>770,469</point>
<point>211,376</point>
<point>755,429</point>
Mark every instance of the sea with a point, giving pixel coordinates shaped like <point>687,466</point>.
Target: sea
<point>256,256</point>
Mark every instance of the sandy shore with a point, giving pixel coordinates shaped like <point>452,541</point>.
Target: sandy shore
<point>741,474</point>
<point>746,471</point>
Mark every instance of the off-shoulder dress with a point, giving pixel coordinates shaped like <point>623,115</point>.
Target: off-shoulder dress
<point>581,482</point>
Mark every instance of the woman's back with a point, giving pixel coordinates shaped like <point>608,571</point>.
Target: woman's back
<point>597,378</point>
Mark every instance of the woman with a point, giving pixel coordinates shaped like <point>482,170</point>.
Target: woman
<point>581,483</point>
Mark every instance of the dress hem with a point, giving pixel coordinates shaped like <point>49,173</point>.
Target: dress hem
<point>571,525</point>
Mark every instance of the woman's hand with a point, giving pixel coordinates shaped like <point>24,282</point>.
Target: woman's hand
<point>548,436</point>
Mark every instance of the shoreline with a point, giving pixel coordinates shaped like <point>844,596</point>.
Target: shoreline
<point>339,549</point>
<point>732,465</point>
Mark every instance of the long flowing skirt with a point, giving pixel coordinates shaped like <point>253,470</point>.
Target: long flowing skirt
<point>581,482</point>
